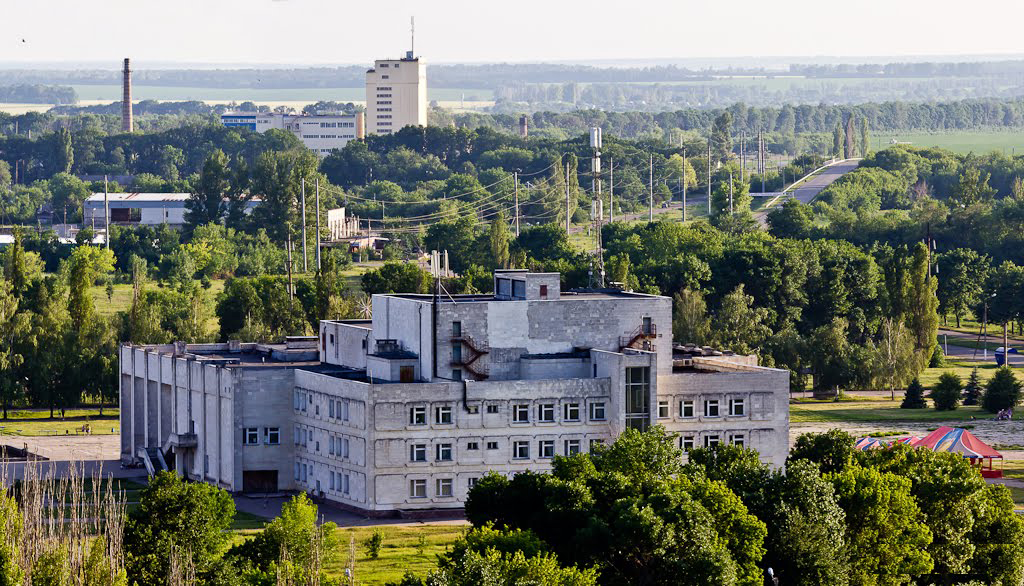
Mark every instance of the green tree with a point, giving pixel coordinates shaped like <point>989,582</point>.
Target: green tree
<point>793,219</point>
<point>972,390</point>
<point>173,513</point>
<point>972,187</point>
<point>832,451</point>
<point>206,205</point>
<point>837,140</point>
<point>68,192</point>
<point>849,142</point>
<point>998,538</point>
<point>964,273</point>
<point>721,137</point>
<point>500,239</point>
<point>63,151</point>
<point>946,394</point>
<point>913,397</point>
<point>922,304</point>
<point>739,324</point>
<point>865,137</point>
<point>396,277</point>
<point>16,267</point>
<point>1002,391</point>
<point>885,530</point>
<point>84,266</point>
<point>690,321</point>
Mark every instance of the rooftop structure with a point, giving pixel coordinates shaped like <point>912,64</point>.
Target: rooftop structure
<point>407,410</point>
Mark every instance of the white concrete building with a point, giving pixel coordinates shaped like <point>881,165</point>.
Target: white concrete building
<point>321,133</point>
<point>406,411</point>
<point>396,94</point>
<point>134,209</point>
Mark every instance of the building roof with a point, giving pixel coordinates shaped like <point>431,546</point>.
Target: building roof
<point>140,197</point>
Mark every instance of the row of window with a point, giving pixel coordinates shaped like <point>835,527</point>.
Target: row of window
<point>737,408</point>
<point>337,445</point>
<point>383,95</point>
<point>444,452</point>
<point>337,481</point>
<point>383,115</point>
<point>687,442</point>
<point>443,487</point>
<point>336,124</point>
<point>251,436</point>
<point>571,412</point>
<point>337,409</point>
<point>384,109</point>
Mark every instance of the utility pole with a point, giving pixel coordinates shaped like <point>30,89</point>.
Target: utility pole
<point>318,224</point>
<point>567,199</point>
<point>743,157</point>
<point>305,267</point>
<point>106,214</point>
<point>650,191</point>
<point>730,191</point>
<point>611,190</point>
<point>291,286</point>
<point>595,143</point>
<point>515,178</point>
<point>709,176</point>
<point>684,186</point>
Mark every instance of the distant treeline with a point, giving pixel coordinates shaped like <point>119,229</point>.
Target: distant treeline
<point>38,94</point>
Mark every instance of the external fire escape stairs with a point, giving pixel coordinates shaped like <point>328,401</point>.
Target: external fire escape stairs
<point>476,350</point>
<point>640,338</point>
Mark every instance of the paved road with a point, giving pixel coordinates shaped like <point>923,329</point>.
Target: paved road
<point>809,189</point>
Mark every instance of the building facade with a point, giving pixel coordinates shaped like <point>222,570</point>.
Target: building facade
<point>134,209</point>
<point>406,411</point>
<point>321,133</point>
<point>396,94</point>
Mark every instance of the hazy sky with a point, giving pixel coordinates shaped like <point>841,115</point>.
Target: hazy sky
<point>348,31</point>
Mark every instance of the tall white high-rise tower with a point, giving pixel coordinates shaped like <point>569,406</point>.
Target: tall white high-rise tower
<point>396,94</point>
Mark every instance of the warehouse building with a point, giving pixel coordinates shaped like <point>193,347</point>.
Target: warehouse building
<point>321,133</point>
<point>138,209</point>
<point>406,411</point>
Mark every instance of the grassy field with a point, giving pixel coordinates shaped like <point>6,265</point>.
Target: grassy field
<point>961,142</point>
<point>406,548</point>
<point>930,376</point>
<point>37,422</point>
<point>872,411</point>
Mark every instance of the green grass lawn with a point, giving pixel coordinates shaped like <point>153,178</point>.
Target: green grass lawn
<point>37,422</point>
<point>400,551</point>
<point>880,411</point>
<point>981,141</point>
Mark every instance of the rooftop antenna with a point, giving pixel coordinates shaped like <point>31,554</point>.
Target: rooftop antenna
<point>412,35</point>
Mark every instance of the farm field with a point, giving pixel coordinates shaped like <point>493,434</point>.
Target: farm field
<point>959,142</point>
<point>112,93</point>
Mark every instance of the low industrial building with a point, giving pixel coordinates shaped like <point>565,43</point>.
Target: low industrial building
<point>406,411</point>
<point>138,209</point>
<point>321,133</point>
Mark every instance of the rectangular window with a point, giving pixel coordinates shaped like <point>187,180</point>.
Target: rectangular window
<point>543,291</point>
<point>473,446</point>
<point>546,412</point>
<point>344,409</point>
<point>444,452</point>
<point>330,485</point>
<point>492,445</point>
<point>457,353</point>
<point>456,374</point>
<point>418,452</point>
<point>594,443</point>
<point>251,436</point>
<point>418,489</point>
<point>572,411</point>
<point>686,443</point>
<point>521,450</point>
<point>572,447</point>
<point>344,483</point>
<point>418,416</point>
<point>711,408</point>
<point>662,409</point>
<point>492,409</point>
<point>330,445</point>
<point>444,487</point>
<point>546,448</point>
<point>443,415</point>
<point>711,440</point>
<point>638,397</point>
<point>521,413</point>
<point>737,439</point>
<point>456,329</point>
<point>472,482</point>
<point>330,412</point>
<point>737,407</point>
<point>597,412</point>
<point>272,435</point>
<point>686,408</point>
<point>344,447</point>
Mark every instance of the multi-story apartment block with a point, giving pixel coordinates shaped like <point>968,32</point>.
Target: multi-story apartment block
<point>406,411</point>
<point>321,133</point>
<point>396,94</point>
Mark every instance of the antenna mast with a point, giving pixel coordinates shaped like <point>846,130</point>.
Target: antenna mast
<point>412,34</point>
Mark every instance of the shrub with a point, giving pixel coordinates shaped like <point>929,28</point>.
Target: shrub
<point>373,543</point>
<point>938,359</point>
<point>913,398</point>
<point>1002,391</point>
<point>972,391</point>
<point>946,394</point>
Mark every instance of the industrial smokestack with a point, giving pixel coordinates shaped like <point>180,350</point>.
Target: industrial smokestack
<point>127,124</point>
<point>524,126</point>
